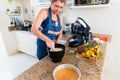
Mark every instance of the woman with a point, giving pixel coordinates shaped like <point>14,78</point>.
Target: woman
<point>47,27</point>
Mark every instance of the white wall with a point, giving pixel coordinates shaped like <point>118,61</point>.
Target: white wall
<point>9,39</point>
<point>3,52</point>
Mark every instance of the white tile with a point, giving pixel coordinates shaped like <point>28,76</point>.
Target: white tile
<point>14,65</point>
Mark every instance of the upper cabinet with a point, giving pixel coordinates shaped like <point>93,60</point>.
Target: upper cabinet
<point>89,3</point>
<point>39,2</point>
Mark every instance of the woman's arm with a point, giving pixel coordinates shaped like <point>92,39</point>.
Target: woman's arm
<point>35,28</point>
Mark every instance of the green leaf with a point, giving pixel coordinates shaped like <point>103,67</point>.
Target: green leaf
<point>101,55</point>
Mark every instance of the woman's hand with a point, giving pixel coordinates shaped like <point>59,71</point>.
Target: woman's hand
<point>58,42</point>
<point>50,44</point>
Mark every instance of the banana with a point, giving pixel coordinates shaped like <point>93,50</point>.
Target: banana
<point>83,54</point>
<point>98,49</point>
<point>92,54</point>
<point>87,53</point>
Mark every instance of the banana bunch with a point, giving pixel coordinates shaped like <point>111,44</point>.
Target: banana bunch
<point>89,50</point>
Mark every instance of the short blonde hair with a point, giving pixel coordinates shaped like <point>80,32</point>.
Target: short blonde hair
<point>63,1</point>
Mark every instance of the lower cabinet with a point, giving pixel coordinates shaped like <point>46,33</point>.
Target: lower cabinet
<point>26,42</point>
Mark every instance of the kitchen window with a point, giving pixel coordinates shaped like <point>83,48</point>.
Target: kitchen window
<point>90,3</point>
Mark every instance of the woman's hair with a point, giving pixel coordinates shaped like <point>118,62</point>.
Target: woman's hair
<point>63,1</point>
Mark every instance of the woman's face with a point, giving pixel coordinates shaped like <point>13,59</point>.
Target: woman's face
<point>57,7</point>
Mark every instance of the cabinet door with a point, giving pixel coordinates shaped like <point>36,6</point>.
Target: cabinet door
<point>26,43</point>
<point>32,45</point>
<point>22,42</point>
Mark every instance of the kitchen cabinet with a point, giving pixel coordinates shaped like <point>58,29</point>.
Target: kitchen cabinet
<point>26,42</point>
<point>90,3</point>
<point>32,44</point>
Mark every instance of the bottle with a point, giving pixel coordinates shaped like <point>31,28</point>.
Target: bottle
<point>63,30</point>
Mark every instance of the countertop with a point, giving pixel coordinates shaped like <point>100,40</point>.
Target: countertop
<point>43,69</point>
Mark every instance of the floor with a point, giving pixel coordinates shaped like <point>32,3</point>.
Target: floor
<point>12,66</point>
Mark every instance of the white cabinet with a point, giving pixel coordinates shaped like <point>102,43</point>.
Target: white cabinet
<point>26,42</point>
<point>40,2</point>
<point>32,44</point>
<point>22,42</point>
